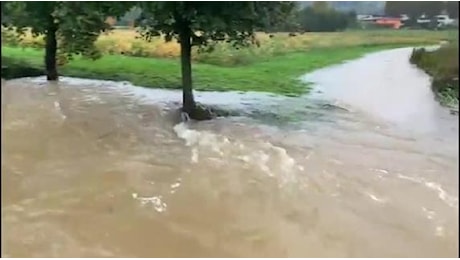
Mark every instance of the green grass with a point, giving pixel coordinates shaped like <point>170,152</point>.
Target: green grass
<point>278,75</point>
<point>442,65</point>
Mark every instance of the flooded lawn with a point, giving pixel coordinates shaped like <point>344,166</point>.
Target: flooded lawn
<point>367,166</point>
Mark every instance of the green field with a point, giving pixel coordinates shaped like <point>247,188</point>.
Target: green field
<point>279,75</point>
<point>276,72</point>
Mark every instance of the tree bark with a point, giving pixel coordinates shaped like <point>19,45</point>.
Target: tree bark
<point>188,101</point>
<point>51,50</point>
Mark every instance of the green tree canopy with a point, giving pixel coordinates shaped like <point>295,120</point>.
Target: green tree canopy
<point>202,24</point>
<point>452,8</point>
<point>320,17</point>
<point>76,24</point>
<point>414,8</point>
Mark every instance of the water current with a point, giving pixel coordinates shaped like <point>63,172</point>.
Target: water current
<point>364,166</point>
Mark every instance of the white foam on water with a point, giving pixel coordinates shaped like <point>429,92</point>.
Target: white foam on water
<point>375,198</point>
<point>442,194</point>
<point>176,184</point>
<point>58,108</point>
<point>194,158</point>
<point>287,163</point>
<point>195,137</point>
<point>92,98</point>
<point>273,160</point>
<point>381,171</point>
<point>155,201</point>
<point>439,231</point>
<point>450,200</point>
<point>429,213</point>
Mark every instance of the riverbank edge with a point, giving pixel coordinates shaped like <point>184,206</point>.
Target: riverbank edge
<point>280,75</point>
<point>442,65</point>
<point>12,69</point>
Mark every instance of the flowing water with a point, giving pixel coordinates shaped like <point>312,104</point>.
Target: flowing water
<point>366,166</point>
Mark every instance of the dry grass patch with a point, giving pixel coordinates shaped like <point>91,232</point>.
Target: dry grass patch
<point>127,42</point>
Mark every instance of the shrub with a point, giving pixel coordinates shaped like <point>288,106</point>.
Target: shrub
<point>9,37</point>
<point>125,42</point>
<point>324,19</point>
<point>442,65</point>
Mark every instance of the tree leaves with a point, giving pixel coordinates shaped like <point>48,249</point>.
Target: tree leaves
<point>79,23</point>
<point>211,22</point>
<point>320,17</point>
<point>414,9</point>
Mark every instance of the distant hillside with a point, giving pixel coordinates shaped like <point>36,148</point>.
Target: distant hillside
<point>360,7</point>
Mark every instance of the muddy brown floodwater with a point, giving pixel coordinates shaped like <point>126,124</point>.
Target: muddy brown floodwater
<point>366,166</point>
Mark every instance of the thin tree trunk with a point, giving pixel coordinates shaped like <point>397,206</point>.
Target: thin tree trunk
<point>51,50</point>
<point>186,65</point>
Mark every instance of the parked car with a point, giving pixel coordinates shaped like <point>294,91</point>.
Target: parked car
<point>404,17</point>
<point>444,20</point>
<point>423,19</point>
<point>366,17</point>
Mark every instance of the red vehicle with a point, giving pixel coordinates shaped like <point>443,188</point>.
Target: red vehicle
<point>394,23</point>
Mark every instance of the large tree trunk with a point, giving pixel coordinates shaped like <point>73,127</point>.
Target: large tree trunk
<point>186,65</point>
<point>51,50</point>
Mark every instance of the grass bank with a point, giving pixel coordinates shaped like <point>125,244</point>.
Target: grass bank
<point>12,68</point>
<point>278,75</point>
<point>274,67</point>
<point>126,42</point>
<point>442,65</point>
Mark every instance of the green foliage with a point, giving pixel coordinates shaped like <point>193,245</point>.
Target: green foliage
<point>320,17</point>
<point>442,65</point>
<point>250,69</point>
<point>414,9</point>
<point>211,22</point>
<point>12,68</point>
<point>360,7</point>
<point>203,24</point>
<point>10,37</point>
<point>78,23</point>
<point>289,24</point>
<point>23,15</point>
<point>280,44</point>
<point>452,8</point>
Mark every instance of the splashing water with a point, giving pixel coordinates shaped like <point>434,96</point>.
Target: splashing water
<point>102,169</point>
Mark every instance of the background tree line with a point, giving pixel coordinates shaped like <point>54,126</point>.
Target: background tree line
<point>323,16</point>
<point>319,16</point>
<point>415,9</point>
